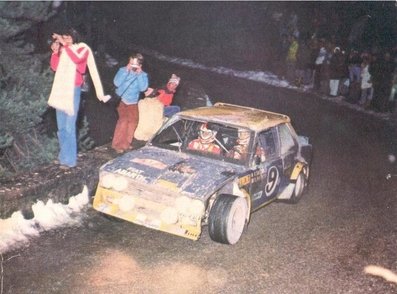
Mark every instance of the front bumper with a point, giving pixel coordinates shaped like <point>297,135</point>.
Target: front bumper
<point>145,211</point>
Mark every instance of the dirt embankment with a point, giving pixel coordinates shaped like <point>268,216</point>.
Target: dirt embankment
<point>50,181</point>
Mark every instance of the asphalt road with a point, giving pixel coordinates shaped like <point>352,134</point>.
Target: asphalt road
<point>346,221</point>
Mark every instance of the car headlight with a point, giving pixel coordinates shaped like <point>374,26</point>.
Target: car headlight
<point>169,216</point>
<point>112,181</point>
<point>182,204</point>
<point>196,208</point>
<point>126,203</point>
<point>120,184</point>
<point>108,180</point>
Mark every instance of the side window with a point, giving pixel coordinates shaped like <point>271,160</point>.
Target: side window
<point>286,140</point>
<point>267,143</point>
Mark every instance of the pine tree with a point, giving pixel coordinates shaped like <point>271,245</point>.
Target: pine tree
<point>24,88</point>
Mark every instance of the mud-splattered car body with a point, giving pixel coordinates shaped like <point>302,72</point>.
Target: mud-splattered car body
<point>168,186</point>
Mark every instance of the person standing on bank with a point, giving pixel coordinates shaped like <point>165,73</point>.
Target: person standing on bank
<point>69,60</point>
<point>130,81</point>
<point>166,95</point>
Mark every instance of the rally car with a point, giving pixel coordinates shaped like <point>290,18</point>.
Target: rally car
<point>209,166</point>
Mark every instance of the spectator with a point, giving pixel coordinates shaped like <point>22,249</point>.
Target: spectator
<point>381,71</point>
<point>166,95</point>
<point>291,58</point>
<point>390,67</point>
<point>314,47</point>
<point>354,66</point>
<point>293,25</point>
<point>354,62</point>
<point>282,55</point>
<point>130,80</point>
<point>303,64</point>
<point>69,62</point>
<point>337,71</point>
<point>393,91</point>
<point>324,88</point>
<point>320,62</point>
<point>366,84</point>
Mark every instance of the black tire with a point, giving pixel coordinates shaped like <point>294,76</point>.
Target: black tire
<point>227,219</point>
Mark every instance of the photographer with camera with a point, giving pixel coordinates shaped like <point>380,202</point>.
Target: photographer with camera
<point>69,60</point>
<point>130,81</point>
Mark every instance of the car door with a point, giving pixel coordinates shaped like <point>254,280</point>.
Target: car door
<point>288,150</point>
<point>268,168</point>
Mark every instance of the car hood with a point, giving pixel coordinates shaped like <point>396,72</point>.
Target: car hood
<point>171,170</point>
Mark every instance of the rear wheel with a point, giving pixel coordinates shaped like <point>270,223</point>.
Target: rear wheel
<point>299,188</point>
<point>227,219</point>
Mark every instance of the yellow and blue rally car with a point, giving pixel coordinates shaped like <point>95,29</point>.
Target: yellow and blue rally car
<point>207,166</point>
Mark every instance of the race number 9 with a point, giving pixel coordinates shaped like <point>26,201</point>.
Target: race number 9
<point>272,181</point>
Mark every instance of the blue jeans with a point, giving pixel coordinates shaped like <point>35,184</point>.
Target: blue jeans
<point>67,132</point>
<point>171,110</point>
<point>355,73</point>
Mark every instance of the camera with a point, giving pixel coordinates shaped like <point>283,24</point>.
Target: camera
<point>134,67</point>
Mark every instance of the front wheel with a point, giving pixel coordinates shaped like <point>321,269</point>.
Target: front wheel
<point>227,219</point>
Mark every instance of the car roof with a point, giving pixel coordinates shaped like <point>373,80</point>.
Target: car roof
<point>236,115</point>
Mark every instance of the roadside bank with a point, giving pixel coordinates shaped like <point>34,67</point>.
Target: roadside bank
<point>50,182</point>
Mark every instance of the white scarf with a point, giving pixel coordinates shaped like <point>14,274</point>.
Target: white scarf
<point>62,91</point>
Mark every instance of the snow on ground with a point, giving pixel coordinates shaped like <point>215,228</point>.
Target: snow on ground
<point>16,230</point>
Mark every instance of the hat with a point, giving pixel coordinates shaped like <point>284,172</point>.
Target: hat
<point>174,79</point>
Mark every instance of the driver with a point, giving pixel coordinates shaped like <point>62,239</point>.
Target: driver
<point>240,150</point>
<point>205,141</point>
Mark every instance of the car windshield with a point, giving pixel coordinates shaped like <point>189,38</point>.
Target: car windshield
<point>206,139</point>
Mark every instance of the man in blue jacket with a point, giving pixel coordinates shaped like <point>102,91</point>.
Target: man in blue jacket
<point>130,81</point>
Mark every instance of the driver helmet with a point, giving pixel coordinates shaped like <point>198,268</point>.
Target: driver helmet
<point>206,135</point>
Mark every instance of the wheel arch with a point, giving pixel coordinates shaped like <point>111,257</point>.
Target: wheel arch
<point>232,188</point>
<point>297,170</point>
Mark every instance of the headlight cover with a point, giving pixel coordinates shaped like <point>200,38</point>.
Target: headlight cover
<point>112,181</point>
<point>189,207</point>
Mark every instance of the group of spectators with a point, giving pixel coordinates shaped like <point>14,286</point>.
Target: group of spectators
<point>69,60</point>
<point>367,78</point>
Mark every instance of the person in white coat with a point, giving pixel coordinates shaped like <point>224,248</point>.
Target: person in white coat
<point>366,84</point>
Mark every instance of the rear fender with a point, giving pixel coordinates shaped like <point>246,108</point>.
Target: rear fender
<point>289,189</point>
<point>296,171</point>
